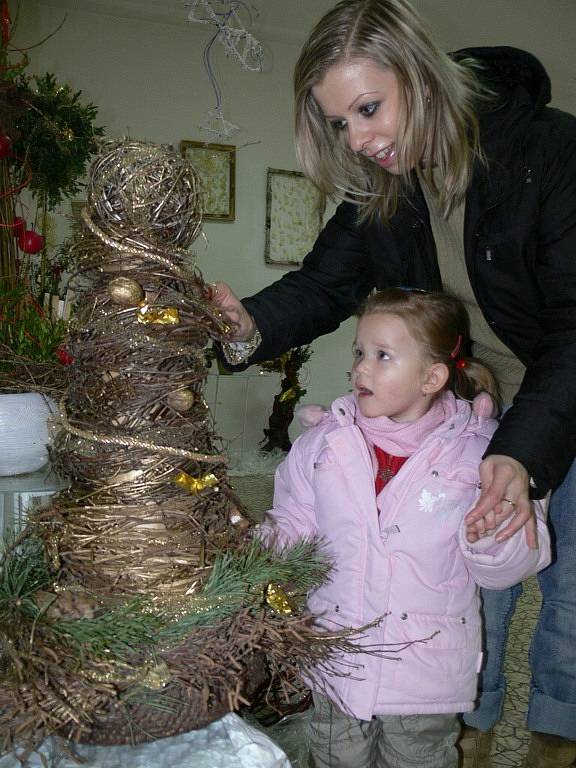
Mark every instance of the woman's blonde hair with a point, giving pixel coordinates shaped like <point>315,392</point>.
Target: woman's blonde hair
<point>440,323</point>
<point>437,110</point>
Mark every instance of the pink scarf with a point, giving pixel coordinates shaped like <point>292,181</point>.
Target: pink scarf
<point>402,438</point>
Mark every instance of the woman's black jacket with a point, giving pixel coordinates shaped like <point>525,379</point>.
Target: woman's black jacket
<point>520,246</point>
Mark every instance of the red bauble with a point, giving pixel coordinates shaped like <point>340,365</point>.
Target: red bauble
<point>30,241</point>
<point>5,146</point>
<point>18,226</point>
<point>64,356</point>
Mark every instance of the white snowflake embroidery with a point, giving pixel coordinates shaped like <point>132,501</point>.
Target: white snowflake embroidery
<point>427,500</point>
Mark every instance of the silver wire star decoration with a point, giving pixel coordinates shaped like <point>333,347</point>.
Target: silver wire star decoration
<point>230,31</point>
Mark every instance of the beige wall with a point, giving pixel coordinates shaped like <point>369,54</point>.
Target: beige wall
<point>140,61</point>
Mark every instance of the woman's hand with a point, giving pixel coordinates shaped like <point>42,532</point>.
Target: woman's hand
<point>242,323</point>
<point>505,485</point>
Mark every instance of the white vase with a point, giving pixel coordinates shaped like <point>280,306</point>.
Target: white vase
<point>24,432</point>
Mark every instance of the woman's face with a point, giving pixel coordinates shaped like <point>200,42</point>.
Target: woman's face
<point>363,100</point>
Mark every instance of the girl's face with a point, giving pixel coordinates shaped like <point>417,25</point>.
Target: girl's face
<point>390,373</point>
<point>363,100</point>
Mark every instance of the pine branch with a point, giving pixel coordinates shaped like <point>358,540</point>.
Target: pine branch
<point>23,573</point>
<point>116,633</point>
<point>237,580</point>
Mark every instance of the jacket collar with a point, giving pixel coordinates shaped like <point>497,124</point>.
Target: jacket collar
<point>521,89</point>
<point>461,422</point>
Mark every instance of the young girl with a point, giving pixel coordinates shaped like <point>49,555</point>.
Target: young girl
<point>386,478</point>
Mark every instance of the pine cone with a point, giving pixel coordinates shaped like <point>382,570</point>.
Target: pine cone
<point>67,604</point>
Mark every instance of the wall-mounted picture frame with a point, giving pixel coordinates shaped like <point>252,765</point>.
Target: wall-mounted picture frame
<point>216,166</point>
<point>76,207</point>
<point>294,213</point>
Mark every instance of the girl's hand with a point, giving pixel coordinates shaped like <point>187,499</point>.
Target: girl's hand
<point>242,323</point>
<point>505,485</point>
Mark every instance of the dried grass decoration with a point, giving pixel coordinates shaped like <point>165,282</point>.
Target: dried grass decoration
<point>135,607</point>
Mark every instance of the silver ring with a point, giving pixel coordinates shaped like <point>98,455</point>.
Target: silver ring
<point>509,502</point>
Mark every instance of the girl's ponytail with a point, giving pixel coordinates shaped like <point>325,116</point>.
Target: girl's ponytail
<point>471,376</point>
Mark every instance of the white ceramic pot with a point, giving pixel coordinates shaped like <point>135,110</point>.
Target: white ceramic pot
<point>24,432</point>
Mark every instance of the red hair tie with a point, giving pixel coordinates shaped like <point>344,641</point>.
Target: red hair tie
<point>461,363</point>
<point>456,351</point>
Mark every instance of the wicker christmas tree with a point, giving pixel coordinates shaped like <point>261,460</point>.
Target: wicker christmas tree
<point>136,606</point>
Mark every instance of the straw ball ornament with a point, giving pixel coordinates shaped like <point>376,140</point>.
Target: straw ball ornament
<point>147,191</point>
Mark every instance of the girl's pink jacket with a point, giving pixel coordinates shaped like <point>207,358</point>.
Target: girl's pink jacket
<point>403,557</point>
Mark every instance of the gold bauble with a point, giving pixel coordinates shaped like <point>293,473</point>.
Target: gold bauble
<point>279,600</point>
<point>125,290</point>
<point>156,677</point>
<point>181,400</point>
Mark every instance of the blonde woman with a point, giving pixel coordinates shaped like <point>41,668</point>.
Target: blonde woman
<point>454,174</point>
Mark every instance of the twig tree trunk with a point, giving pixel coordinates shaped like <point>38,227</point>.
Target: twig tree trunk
<point>277,436</point>
<point>8,248</point>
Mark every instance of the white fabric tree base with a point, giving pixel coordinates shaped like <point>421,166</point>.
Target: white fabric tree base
<point>227,743</point>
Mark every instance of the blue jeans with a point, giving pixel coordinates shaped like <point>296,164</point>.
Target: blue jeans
<point>552,702</point>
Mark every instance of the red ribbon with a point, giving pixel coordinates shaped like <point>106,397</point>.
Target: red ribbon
<point>25,183</point>
<point>456,351</point>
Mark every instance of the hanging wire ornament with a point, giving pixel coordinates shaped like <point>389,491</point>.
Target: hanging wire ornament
<point>217,126</point>
<point>238,42</point>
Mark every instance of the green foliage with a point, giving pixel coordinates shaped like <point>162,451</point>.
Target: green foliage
<point>57,136</point>
<point>114,633</point>
<point>23,573</point>
<point>238,579</point>
<point>11,72</point>
<point>293,360</point>
<point>234,572</point>
<point>26,330</point>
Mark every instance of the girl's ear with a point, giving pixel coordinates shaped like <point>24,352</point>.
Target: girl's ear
<point>437,376</point>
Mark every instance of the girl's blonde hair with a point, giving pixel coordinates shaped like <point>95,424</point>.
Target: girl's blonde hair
<point>440,323</point>
<point>437,110</point>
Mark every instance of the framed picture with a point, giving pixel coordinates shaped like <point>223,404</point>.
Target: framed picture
<point>216,166</point>
<point>294,211</point>
<point>76,207</point>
